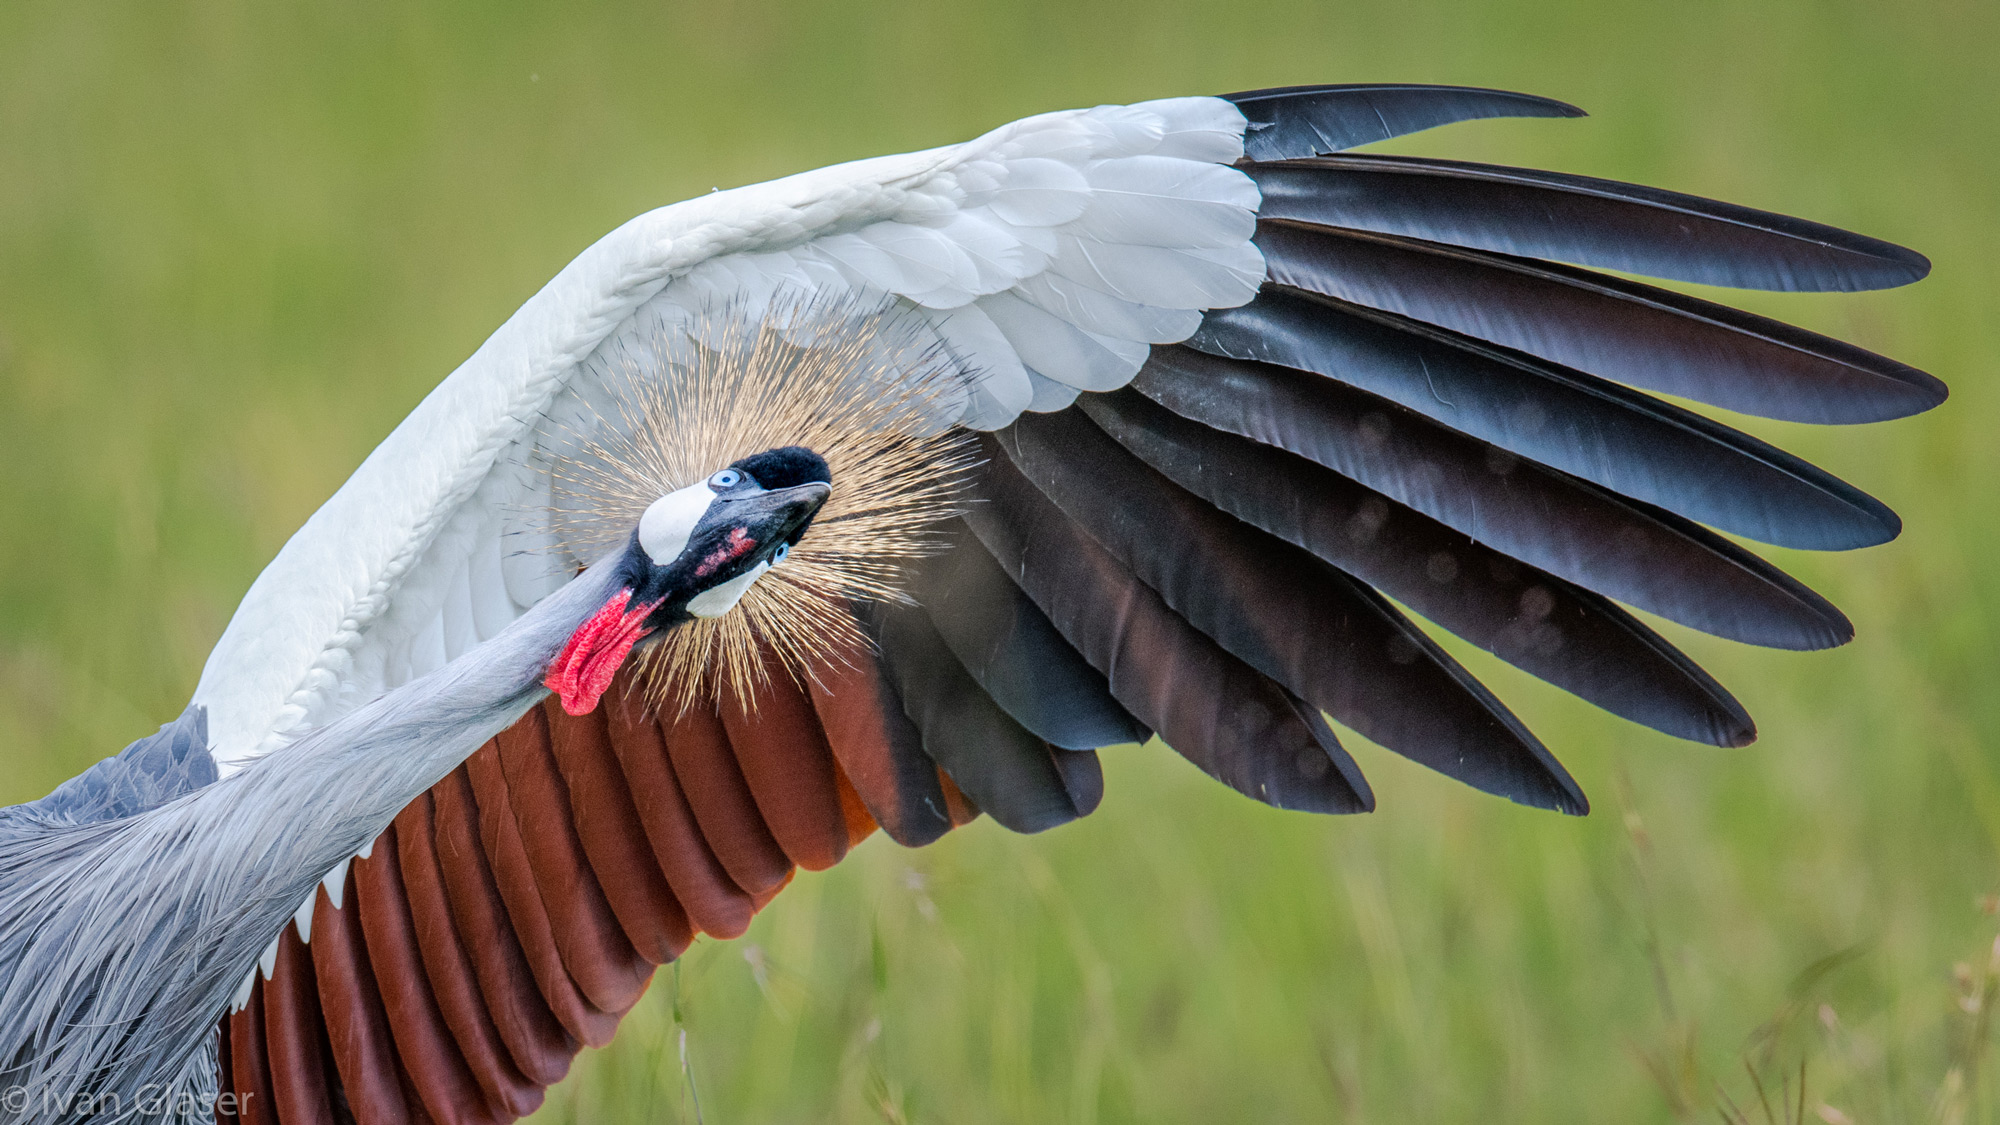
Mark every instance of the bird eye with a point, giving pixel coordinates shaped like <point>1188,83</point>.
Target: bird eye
<point>778,555</point>
<point>727,478</point>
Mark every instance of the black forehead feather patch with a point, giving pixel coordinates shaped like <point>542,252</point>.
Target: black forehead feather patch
<point>785,467</point>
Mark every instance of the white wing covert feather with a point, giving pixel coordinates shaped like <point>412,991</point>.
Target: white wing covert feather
<point>1047,255</point>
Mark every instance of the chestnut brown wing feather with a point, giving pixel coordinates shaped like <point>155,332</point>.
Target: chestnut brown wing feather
<point>513,913</point>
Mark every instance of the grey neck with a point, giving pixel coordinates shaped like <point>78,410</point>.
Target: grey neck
<point>122,942</point>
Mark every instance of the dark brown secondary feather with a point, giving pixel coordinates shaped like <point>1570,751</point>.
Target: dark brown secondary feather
<point>453,987</point>
<point>500,837</point>
<point>1288,614</point>
<point>715,903</point>
<point>364,1055</point>
<point>540,1015</point>
<point>251,1068</point>
<point>711,781</point>
<point>879,749</point>
<point>998,763</point>
<point>1008,645</point>
<point>225,1111</point>
<point>614,843</point>
<point>593,946</point>
<point>1211,707</point>
<point>789,768</point>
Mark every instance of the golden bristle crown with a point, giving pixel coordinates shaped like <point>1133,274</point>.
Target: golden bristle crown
<point>866,383</point>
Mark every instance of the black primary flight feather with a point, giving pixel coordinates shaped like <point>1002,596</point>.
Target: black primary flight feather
<point>1611,435</point>
<point>1582,220</point>
<point>1604,542</point>
<point>1638,334</point>
<point>1534,620</point>
<point>1293,121</point>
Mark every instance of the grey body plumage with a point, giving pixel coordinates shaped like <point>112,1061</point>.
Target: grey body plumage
<point>145,775</point>
<point>128,927</point>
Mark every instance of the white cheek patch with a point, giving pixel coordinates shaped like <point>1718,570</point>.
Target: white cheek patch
<point>718,600</point>
<point>664,529</point>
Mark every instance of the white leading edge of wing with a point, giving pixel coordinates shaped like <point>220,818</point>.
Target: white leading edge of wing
<point>1047,255</point>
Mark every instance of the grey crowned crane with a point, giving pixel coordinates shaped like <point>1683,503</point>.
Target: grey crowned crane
<point>884,496</point>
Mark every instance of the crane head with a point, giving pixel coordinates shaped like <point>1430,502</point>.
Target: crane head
<point>695,553</point>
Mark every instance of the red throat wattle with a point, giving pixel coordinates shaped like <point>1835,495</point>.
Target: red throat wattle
<point>583,672</point>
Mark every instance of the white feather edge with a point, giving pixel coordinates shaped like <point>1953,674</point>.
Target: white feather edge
<point>289,657</point>
<point>334,884</point>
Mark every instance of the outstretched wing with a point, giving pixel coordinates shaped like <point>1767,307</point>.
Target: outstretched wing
<point>1046,256</point>
<point>1419,409</point>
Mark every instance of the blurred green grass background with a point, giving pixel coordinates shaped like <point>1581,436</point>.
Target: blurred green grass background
<point>239,241</point>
